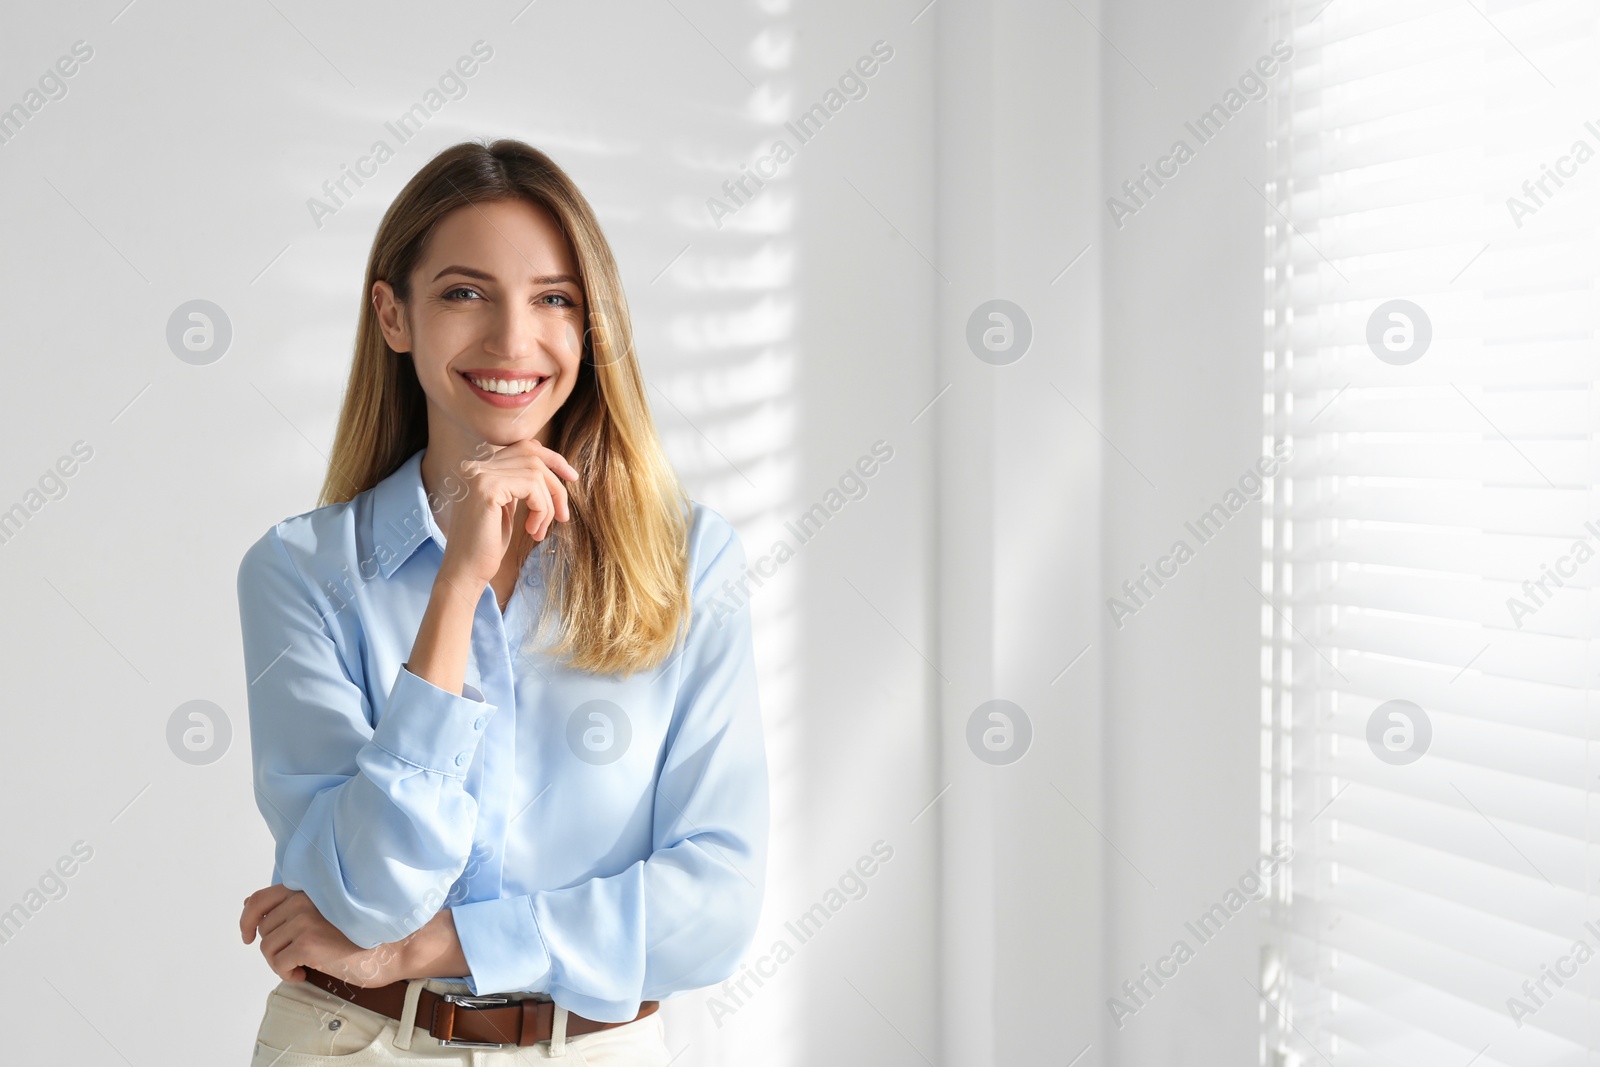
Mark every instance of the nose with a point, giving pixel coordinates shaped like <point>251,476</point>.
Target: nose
<point>517,334</point>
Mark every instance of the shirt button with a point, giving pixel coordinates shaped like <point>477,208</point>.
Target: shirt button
<point>477,724</point>
<point>461,759</point>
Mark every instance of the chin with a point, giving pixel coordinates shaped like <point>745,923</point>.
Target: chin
<point>508,431</point>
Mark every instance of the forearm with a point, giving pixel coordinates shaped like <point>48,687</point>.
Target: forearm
<point>359,776</point>
<point>439,653</point>
<point>434,951</point>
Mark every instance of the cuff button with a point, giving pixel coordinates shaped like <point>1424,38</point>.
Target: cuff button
<point>461,759</point>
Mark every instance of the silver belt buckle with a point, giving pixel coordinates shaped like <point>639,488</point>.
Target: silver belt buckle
<point>468,1000</point>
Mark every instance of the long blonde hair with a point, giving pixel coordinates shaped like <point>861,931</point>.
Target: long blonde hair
<point>618,578</point>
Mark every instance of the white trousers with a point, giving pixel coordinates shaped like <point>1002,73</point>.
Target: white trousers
<point>305,1026</point>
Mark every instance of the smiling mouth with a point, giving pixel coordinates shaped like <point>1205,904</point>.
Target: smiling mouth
<point>507,386</point>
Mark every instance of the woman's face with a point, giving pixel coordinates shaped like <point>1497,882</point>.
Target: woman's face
<point>494,324</point>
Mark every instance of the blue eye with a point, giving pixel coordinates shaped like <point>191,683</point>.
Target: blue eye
<point>450,293</point>
<point>566,301</point>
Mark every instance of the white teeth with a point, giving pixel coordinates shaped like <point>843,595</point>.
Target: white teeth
<point>506,387</point>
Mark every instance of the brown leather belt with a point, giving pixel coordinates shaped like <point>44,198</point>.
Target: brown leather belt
<point>462,1019</point>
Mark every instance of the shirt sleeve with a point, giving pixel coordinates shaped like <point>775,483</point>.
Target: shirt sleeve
<point>683,917</point>
<point>374,825</point>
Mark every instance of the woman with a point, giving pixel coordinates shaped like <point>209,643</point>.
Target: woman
<point>519,794</point>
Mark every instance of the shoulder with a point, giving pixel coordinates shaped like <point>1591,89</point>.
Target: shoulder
<point>303,549</point>
<point>715,548</point>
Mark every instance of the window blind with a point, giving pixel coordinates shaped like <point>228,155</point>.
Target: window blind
<point>1431,549</point>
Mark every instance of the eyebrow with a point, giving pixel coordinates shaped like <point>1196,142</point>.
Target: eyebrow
<point>481,275</point>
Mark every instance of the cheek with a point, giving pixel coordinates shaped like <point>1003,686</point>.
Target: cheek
<point>432,374</point>
<point>434,339</point>
<point>570,350</point>
<point>569,385</point>
<point>451,333</point>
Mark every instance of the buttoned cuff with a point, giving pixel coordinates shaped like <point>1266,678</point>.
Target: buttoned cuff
<point>431,728</point>
<point>502,944</point>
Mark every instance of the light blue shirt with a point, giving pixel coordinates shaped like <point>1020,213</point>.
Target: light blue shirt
<point>603,853</point>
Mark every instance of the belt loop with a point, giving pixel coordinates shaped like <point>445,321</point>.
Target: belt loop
<point>408,1014</point>
<point>558,1031</point>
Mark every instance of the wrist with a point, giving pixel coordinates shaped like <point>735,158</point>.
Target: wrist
<point>454,580</point>
<point>434,951</point>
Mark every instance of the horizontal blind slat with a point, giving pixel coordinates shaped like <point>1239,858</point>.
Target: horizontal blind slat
<point>1435,534</point>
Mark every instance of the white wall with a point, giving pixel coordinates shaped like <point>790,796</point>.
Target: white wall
<point>826,315</point>
<point>1183,382</point>
<point>1020,474</point>
<point>780,347</point>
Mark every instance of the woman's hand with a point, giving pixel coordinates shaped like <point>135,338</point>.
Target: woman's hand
<point>481,522</point>
<point>294,936</point>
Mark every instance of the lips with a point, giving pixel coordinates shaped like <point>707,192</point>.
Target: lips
<point>506,388</point>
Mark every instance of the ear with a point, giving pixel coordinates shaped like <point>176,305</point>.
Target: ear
<point>391,317</point>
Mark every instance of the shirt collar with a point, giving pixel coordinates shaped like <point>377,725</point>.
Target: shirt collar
<point>401,517</point>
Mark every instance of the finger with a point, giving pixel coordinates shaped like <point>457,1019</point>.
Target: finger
<point>508,520</point>
<point>517,453</point>
<point>258,904</point>
<point>558,493</point>
<point>507,491</point>
<point>559,463</point>
<point>522,450</point>
<point>274,935</point>
<point>272,960</point>
<point>539,506</point>
<point>275,918</point>
<point>285,954</point>
<point>270,896</point>
<point>549,514</point>
<point>509,486</point>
